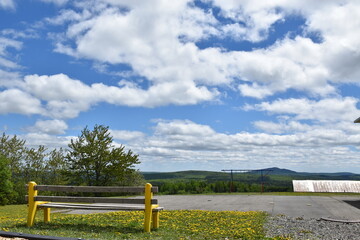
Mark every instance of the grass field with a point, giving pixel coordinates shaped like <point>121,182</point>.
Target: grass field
<point>185,224</point>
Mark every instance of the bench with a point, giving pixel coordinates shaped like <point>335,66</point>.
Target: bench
<point>147,204</point>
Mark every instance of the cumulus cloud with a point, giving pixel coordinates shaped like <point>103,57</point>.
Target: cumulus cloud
<point>62,97</point>
<point>10,79</point>
<point>16,101</point>
<point>35,139</point>
<point>282,127</point>
<point>300,63</point>
<point>127,135</point>
<point>52,127</point>
<point>168,54</point>
<point>182,127</point>
<point>324,110</point>
<point>184,141</point>
<point>251,20</point>
<point>184,134</point>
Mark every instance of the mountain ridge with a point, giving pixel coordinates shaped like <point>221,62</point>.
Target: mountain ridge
<point>272,170</point>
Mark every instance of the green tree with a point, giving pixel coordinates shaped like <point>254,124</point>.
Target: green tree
<point>14,150</point>
<point>34,164</point>
<point>56,167</point>
<point>94,160</point>
<point>7,194</point>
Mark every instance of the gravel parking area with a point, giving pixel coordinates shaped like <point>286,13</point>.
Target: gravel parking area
<point>301,228</point>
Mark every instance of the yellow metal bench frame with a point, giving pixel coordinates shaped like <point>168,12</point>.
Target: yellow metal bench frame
<point>148,204</point>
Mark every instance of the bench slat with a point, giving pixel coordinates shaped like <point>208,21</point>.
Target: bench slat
<point>93,189</point>
<point>96,207</point>
<point>93,199</point>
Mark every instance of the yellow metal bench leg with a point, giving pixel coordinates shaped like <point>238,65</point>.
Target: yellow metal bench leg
<point>31,215</point>
<point>147,223</point>
<point>156,219</point>
<point>32,204</point>
<point>46,215</point>
<point>148,208</point>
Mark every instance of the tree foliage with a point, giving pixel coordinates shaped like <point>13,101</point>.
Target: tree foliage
<point>7,194</point>
<point>94,160</point>
<point>56,167</point>
<point>34,164</point>
<point>13,149</point>
<point>198,187</point>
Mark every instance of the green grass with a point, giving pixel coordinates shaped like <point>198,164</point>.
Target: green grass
<point>184,224</point>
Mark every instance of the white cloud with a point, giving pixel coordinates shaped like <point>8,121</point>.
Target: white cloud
<point>300,63</point>
<point>6,43</point>
<point>56,2</point>
<point>252,19</point>
<point>167,53</point>
<point>295,64</point>
<point>177,142</point>
<point>51,127</point>
<point>57,87</point>
<point>10,79</point>
<point>63,97</point>
<point>7,4</point>
<point>156,53</point>
<point>16,34</point>
<point>324,110</point>
<point>282,127</point>
<point>16,101</point>
<point>182,127</point>
<point>47,140</point>
<point>183,141</point>
<point>69,15</point>
<point>126,135</point>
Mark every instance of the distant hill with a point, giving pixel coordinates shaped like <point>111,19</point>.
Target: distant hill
<point>189,175</point>
<point>271,172</point>
<point>270,179</point>
<point>286,172</point>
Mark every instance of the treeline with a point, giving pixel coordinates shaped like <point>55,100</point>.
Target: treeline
<point>21,164</point>
<point>198,187</point>
<point>91,159</point>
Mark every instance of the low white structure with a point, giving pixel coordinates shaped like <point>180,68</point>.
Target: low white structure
<point>326,186</point>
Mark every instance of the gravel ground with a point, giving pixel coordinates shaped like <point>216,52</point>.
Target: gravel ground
<point>300,228</point>
<point>5,238</point>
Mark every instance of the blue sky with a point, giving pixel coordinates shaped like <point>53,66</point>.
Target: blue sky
<point>207,85</point>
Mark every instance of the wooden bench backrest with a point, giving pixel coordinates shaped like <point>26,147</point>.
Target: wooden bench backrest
<point>93,189</point>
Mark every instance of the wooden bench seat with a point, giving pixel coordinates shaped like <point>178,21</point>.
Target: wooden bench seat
<point>147,203</point>
<point>96,207</point>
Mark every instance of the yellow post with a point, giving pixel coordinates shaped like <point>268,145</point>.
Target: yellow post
<point>46,215</point>
<point>148,207</point>
<point>156,219</point>
<point>32,206</point>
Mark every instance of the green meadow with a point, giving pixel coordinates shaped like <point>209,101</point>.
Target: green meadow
<point>184,224</point>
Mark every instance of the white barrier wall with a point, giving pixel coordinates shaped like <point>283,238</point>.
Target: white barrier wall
<point>326,186</point>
